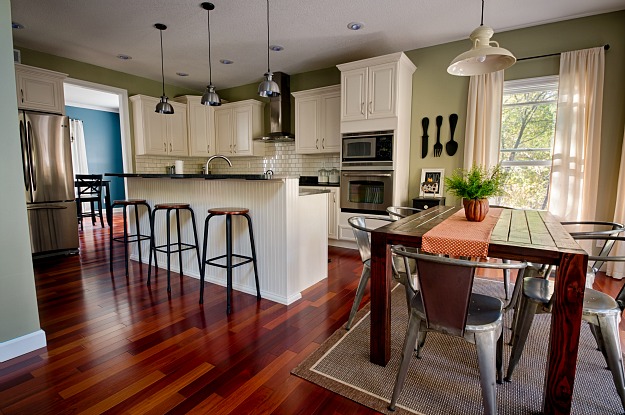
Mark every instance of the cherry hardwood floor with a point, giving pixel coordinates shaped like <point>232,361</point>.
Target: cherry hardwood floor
<point>118,346</point>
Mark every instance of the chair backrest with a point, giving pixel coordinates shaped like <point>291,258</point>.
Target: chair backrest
<point>604,256</point>
<point>362,232</point>
<point>399,212</point>
<point>89,186</point>
<point>607,238</point>
<point>445,286</point>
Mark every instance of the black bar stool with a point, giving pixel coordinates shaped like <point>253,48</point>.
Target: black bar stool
<point>178,246</point>
<point>229,212</point>
<point>126,238</point>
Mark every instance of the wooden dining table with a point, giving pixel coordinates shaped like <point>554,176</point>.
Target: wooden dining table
<point>523,235</point>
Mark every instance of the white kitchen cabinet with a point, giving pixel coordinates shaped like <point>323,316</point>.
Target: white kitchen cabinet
<point>317,120</point>
<point>371,88</point>
<point>159,134</point>
<point>200,122</point>
<point>334,209</point>
<point>39,89</point>
<point>236,124</point>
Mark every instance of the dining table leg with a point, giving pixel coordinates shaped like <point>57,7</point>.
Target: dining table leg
<point>566,320</point>
<point>380,340</point>
<point>107,203</point>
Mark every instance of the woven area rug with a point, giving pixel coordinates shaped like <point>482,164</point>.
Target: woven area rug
<point>446,379</point>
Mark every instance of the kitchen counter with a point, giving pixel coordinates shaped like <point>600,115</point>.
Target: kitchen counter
<point>308,192</point>
<point>202,176</point>
<point>290,228</point>
<point>312,181</point>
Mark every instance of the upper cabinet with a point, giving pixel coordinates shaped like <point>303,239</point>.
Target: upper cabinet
<point>200,122</point>
<point>317,120</point>
<point>374,89</point>
<point>39,89</point>
<point>159,134</point>
<point>236,124</point>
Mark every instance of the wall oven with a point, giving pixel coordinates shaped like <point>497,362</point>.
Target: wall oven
<point>367,151</point>
<point>366,191</point>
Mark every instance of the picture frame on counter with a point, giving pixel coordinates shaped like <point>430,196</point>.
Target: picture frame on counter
<point>432,182</point>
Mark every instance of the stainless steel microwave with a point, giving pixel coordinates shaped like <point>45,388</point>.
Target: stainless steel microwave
<point>368,150</point>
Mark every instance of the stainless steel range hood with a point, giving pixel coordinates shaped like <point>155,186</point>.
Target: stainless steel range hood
<point>280,112</point>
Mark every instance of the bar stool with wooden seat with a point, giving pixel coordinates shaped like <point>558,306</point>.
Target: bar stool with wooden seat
<point>173,247</point>
<point>129,238</point>
<point>228,212</point>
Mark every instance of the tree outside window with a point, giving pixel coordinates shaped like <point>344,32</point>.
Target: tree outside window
<point>527,131</point>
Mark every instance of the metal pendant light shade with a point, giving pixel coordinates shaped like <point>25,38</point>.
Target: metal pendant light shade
<point>482,58</point>
<point>268,87</point>
<point>163,107</point>
<point>210,97</point>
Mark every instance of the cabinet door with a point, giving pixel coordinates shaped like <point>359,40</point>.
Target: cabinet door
<point>333,213</point>
<point>381,91</point>
<point>201,140</point>
<point>223,131</point>
<point>331,123</point>
<point>242,139</point>
<point>40,93</point>
<point>307,125</point>
<point>154,130</point>
<point>177,131</point>
<point>354,94</point>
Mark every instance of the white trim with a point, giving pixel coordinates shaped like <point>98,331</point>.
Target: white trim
<point>22,345</point>
<point>530,84</point>
<point>69,103</point>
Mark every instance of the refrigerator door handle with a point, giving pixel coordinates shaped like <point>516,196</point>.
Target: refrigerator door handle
<point>33,170</point>
<point>45,207</point>
<point>25,158</point>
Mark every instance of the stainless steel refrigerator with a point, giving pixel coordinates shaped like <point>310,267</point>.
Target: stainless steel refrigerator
<point>48,182</point>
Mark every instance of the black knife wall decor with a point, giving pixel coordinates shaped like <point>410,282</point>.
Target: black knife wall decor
<point>425,122</point>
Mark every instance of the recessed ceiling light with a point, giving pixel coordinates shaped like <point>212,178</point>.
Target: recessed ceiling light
<point>124,57</point>
<point>16,25</point>
<point>355,26</point>
<point>226,61</point>
<point>182,74</point>
<point>276,48</point>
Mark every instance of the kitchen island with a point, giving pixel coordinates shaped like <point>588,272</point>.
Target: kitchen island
<point>290,228</point>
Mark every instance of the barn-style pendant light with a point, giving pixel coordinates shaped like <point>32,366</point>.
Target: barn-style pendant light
<point>210,97</point>
<point>163,107</point>
<point>482,58</point>
<point>268,88</point>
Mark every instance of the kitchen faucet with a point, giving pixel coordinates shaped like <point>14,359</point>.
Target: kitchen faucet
<point>211,158</point>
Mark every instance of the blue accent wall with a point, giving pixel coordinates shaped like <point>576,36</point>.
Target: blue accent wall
<point>104,145</point>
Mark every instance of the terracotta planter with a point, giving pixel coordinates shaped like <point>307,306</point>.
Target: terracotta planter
<point>475,209</point>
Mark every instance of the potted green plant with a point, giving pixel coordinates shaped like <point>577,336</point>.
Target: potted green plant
<point>475,186</point>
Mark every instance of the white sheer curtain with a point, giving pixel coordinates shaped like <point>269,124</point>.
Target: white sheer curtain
<point>483,126</point>
<point>617,269</point>
<point>79,152</point>
<point>575,165</point>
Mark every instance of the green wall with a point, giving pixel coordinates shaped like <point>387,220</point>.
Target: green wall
<point>437,93</point>
<point>18,301</point>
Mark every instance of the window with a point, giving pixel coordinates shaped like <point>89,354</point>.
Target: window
<point>527,131</point>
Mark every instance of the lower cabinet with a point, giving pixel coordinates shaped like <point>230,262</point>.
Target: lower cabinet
<point>334,209</point>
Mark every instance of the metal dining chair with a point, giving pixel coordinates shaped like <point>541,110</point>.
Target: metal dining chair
<point>361,233</point>
<point>400,212</point>
<point>600,310</point>
<point>446,304</point>
<point>89,190</point>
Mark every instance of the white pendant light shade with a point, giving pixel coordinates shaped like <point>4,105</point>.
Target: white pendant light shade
<point>210,97</point>
<point>482,57</point>
<point>268,88</point>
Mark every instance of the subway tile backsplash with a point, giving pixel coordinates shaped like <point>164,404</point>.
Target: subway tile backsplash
<point>279,157</point>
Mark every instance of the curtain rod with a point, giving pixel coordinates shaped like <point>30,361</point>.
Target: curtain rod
<point>606,47</point>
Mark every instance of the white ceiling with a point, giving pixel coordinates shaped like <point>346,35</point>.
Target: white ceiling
<point>314,33</point>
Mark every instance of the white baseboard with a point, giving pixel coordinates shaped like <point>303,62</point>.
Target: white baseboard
<point>22,345</point>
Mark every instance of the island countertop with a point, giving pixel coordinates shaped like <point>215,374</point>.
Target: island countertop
<point>203,176</point>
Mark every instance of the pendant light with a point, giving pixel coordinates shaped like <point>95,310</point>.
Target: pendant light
<point>163,107</point>
<point>268,88</point>
<point>210,97</point>
<point>482,58</point>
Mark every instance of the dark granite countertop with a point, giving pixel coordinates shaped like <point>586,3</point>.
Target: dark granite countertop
<point>193,176</point>
<point>312,181</point>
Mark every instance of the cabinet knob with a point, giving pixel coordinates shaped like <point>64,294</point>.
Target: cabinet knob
<point>170,147</point>
<point>323,143</point>
<point>426,207</point>
<point>208,148</point>
<point>235,148</point>
<point>22,93</point>
<point>317,144</point>
<point>165,147</point>
<point>362,108</point>
<point>370,106</point>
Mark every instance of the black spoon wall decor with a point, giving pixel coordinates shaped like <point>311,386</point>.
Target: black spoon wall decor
<point>451,146</point>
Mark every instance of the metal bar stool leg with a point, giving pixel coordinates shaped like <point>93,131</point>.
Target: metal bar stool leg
<point>197,243</point>
<point>125,241</point>
<point>138,231</point>
<point>203,266</point>
<point>179,240</point>
<point>110,247</point>
<point>249,225</point>
<point>152,247</point>
<point>168,251</point>
<point>229,263</point>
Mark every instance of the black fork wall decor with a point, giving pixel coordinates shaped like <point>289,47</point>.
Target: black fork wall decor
<point>438,147</point>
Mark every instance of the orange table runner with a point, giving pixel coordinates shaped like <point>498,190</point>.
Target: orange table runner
<point>457,236</point>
